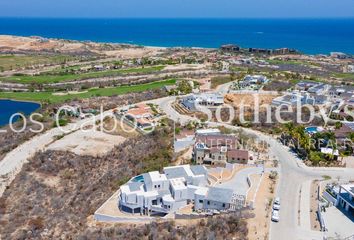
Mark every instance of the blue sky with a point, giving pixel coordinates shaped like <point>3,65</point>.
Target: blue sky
<point>178,8</point>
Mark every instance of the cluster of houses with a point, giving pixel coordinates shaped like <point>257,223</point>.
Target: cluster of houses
<point>316,93</point>
<point>156,193</point>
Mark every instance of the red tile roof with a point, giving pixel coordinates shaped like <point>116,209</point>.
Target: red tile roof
<point>237,153</point>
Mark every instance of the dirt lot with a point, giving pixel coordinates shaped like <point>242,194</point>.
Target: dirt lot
<point>133,52</point>
<point>248,99</point>
<point>93,143</point>
<point>258,227</point>
<point>119,128</point>
<point>315,225</point>
<point>37,44</point>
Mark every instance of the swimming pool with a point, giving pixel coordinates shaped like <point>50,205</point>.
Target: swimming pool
<point>139,178</point>
<point>312,129</point>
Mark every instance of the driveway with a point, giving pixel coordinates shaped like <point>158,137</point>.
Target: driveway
<point>239,182</point>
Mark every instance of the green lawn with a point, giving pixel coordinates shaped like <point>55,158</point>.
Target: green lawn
<point>346,76</point>
<point>49,97</point>
<point>10,62</point>
<point>56,78</point>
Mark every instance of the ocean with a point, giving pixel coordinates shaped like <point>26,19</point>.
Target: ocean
<point>311,36</point>
<point>8,107</point>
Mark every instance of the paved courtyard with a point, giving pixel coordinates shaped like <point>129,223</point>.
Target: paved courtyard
<point>239,182</point>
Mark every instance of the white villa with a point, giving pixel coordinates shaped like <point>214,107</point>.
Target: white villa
<point>345,198</point>
<point>252,80</point>
<point>177,186</point>
<point>205,99</point>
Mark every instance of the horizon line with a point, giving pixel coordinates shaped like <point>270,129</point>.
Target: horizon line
<point>177,18</point>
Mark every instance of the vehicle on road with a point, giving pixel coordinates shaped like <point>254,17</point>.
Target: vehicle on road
<point>275,216</point>
<point>276,204</point>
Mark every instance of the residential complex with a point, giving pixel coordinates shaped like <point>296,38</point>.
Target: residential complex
<point>314,93</point>
<point>162,193</point>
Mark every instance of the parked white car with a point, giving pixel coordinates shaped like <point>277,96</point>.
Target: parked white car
<point>276,204</point>
<point>275,216</point>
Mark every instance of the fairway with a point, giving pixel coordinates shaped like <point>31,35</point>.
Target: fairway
<point>10,62</point>
<point>94,92</point>
<point>56,78</point>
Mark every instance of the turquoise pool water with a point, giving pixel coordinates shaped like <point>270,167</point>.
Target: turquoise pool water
<point>139,178</point>
<point>312,129</point>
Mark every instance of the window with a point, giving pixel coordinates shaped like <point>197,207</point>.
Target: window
<point>223,205</point>
<point>159,186</point>
<point>208,202</point>
<point>155,186</point>
<point>201,201</point>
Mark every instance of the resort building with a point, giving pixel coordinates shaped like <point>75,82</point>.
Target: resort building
<point>230,48</point>
<point>157,193</point>
<point>338,55</point>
